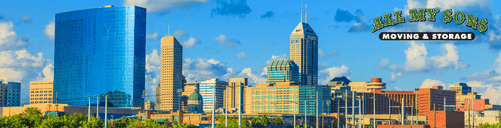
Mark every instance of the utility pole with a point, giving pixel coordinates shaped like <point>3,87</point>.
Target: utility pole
<point>323,103</point>
<point>337,113</point>
<point>106,111</point>
<point>213,105</point>
<point>389,109</point>
<point>89,109</point>
<point>97,109</point>
<point>305,120</point>
<point>346,108</point>
<point>469,121</point>
<point>316,107</point>
<point>294,107</point>
<point>353,107</point>
<point>359,112</point>
<point>434,116</point>
<point>402,106</point>
<point>473,110</point>
<point>374,96</point>
<point>226,111</point>
<point>412,111</point>
<point>403,112</point>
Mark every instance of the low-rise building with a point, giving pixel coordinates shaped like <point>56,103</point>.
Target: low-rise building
<point>41,92</point>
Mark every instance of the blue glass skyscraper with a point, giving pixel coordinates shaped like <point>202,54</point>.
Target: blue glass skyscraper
<point>100,51</point>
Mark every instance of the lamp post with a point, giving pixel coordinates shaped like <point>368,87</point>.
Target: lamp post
<point>97,108</point>
<point>106,111</point>
<point>226,111</point>
<point>213,105</point>
<point>88,115</point>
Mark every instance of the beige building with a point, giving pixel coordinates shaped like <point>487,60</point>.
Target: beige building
<point>149,105</point>
<point>367,87</point>
<point>235,87</point>
<point>41,92</point>
<point>171,77</point>
<point>188,89</point>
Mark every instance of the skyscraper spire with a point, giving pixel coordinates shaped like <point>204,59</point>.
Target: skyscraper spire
<point>306,17</point>
<point>301,12</point>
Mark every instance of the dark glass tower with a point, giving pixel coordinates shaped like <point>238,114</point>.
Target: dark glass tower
<point>100,51</point>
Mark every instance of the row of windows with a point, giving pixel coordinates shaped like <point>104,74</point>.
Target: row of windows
<point>41,91</point>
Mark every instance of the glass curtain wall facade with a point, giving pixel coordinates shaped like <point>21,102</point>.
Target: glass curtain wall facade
<point>207,89</point>
<point>100,50</point>
<point>282,71</point>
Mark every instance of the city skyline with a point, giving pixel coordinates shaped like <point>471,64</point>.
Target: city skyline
<point>229,50</point>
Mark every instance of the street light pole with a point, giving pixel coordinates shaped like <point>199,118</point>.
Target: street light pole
<point>213,104</point>
<point>97,108</point>
<point>106,111</point>
<point>316,107</point>
<point>294,107</point>
<point>88,115</point>
<point>346,108</point>
<point>305,121</point>
<point>226,111</point>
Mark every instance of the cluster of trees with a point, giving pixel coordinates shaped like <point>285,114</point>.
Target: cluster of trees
<point>265,121</point>
<point>486,125</point>
<point>32,117</point>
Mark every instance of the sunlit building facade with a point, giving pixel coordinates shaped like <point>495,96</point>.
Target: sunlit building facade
<point>304,52</point>
<point>41,92</point>
<point>171,76</point>
<point>289,98</point>
<point>100,50</point>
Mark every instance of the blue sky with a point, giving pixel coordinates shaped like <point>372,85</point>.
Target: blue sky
<point>237,38</point>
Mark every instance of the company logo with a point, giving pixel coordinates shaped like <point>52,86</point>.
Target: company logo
<point>420,16</point>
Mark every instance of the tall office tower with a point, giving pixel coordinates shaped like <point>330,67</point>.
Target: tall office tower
<point>41,92</point>
<point>212,89</point>
<point>235,91</point>
<point>100,51</point>
<point>282,71</point>
<point>304,52</point>
<point>171,76</point>
<point>13,93</point>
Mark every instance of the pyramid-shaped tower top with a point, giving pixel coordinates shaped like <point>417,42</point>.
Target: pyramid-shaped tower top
<point>303,29</point>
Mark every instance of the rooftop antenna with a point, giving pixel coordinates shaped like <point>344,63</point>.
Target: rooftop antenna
<point>168,30</point>
<point>306,17</point>
<point>301,12</point>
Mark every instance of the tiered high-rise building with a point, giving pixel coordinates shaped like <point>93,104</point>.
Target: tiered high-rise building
<point>171,76</point>
<point>98,51</point>
<point>282,71</point>
<point>304,52</point>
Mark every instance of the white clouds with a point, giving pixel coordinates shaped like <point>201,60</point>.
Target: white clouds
<point>242,55</point>
<point>416,60</point>
<point>333,72</point>
<point>428,83</point>
<point>394,76</point>
<point>21,58</point>
<point>50,30</point>
<point>9,39</point>
<point>222,40</point>
<point>191,42</point>
<point>324,54</point>
<point>152,36</point>
<point>383,64</point>
<point>25,19</point>
<point>152,75</point>
<point>180,34</point>
<point>48,73</point>
<point>162,6</point>
<point>247,72</point>
<point>11,74</point>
